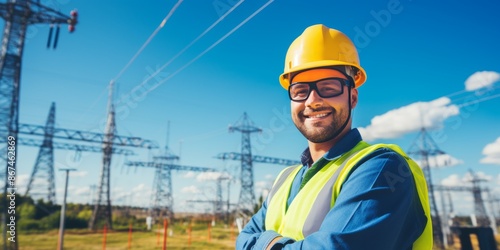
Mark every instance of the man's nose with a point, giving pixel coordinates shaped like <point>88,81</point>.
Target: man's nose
<point>314,100</point>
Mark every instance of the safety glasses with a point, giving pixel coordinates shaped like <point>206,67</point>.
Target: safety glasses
<point>326,88</point>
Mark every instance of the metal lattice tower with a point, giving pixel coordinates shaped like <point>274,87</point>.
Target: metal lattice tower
<point>247,195</point>
<point>218,203</point>
<point>108,141</point>
<point>163,194</point>
<point>41,182</point>
<point>479,209</point>
<point>423,148</point>
<point>162,201</point>
<point>18,14</point>
<point>102,207</point>
<point>42,179</point>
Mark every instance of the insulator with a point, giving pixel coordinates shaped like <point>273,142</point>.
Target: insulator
<point>50,36</point>
<point>56,38</point>
<point>78,155</point>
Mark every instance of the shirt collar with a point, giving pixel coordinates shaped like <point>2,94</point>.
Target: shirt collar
<point>345,144</point>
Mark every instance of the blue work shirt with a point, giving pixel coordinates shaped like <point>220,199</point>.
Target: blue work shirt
<point>377,208</point>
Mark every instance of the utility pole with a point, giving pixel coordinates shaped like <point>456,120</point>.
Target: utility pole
<point>18,15</point>
<point>60,243</point>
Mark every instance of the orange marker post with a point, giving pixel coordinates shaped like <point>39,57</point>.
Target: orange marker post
<point>165,228</point>
<point>189,235</point>
<point>209,231</point>
<point>130,236</point>
<point>104,237</point>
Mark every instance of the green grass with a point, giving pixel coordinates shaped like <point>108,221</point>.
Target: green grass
<point>141,240</point>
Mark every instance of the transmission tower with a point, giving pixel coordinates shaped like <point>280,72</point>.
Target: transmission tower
<point>218,203</point>
<point>18,14</point>
<point>479,208</point>
<point>247,195</point>
<point>102,207</point>
<point>163,201</point>
<point>423,148</point>
<point>42,177</point>
<point>108,142</point>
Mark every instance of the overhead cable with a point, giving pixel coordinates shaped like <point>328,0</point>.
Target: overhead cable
<point>211,47</point>
<point>190,44</point>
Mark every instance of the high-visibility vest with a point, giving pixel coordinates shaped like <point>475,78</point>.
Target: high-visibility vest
<point>311,205</point>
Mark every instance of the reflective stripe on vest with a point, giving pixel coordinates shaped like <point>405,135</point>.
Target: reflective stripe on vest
<point>307,211</point>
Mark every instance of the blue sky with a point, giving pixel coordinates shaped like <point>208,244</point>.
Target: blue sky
<point>418,55</point>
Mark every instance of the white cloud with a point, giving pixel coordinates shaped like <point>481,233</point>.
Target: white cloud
<point>481,79</point>
<point>189,174</point>
<point>455,180</point>
<point>492,153</point>
<point>22,182</point>
<point>479,175</point>
<point>140,188</point>
<point>410,118</point>
<point>82,191</point>
<point>444,160</point>
<point>452,180</point>
<point>191,190</point>
<point>211,176</point>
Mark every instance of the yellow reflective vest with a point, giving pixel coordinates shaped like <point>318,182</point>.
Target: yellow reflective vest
<point>318,196</point>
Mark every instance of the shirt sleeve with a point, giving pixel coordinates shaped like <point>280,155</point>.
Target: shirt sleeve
<point>377,208</point>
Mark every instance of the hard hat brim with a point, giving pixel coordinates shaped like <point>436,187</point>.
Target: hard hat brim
<point>359,79</point>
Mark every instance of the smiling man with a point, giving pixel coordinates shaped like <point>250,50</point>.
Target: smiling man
<point>346,194</point>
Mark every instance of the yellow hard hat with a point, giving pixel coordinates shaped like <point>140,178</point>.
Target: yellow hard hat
<point>319,46</point>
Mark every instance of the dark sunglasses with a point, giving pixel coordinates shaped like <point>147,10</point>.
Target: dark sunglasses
<point>326,88</point>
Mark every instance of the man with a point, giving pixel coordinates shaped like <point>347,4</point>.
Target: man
<point>347,194</point>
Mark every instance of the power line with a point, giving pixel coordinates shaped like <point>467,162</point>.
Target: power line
<point>212,46</point>
<point>478,101</point>
<point>163,22</point>
<point>191,43</point>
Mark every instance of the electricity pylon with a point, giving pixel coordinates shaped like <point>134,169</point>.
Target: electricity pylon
<point>424,147</point>
<point>18,15</point>
<point>247,194</point>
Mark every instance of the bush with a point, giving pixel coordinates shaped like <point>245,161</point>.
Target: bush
<point>73,222</point>
<point>29,225</point>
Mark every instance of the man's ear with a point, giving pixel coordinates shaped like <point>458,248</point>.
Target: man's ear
<point>354,97</point>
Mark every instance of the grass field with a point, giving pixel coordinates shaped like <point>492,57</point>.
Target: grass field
<point>220,238</point>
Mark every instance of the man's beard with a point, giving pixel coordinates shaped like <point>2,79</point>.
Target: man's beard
<point>322,134</point>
